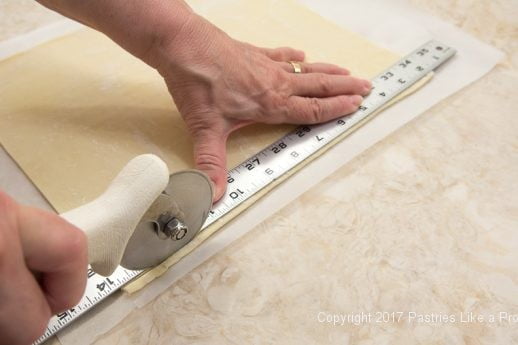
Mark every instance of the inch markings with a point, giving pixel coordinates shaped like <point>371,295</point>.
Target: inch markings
<point>268,165</point>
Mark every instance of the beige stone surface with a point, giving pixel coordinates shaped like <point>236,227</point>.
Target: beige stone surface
<point>21,16</point>
<point>426,221</point>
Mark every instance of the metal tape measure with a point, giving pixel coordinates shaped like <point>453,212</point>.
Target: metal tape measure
<point>280,157</point>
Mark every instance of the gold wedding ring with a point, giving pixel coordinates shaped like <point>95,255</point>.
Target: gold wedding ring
<point>296,67</point>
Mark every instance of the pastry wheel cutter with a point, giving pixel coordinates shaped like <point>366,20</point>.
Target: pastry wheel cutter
<point>144,216</point>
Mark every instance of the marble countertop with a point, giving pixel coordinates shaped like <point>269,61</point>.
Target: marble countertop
<point>423,224</point>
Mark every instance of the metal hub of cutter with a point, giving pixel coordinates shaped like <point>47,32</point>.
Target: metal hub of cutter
<point>174,219</point>
<point>170,228</point>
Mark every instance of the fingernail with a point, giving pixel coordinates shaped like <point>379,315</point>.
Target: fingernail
<point>356,100</point>
<point>217,192</point>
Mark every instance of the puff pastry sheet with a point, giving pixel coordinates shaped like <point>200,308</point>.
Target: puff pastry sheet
<point>73,111</point>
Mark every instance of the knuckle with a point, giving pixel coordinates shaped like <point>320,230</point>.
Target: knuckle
<point>66,302</point>
<point>315,110</point>
<point>202,124</point>
<point>279,87</point>
<point>282,112</point>
<point>78,244</point>
<point>276,105</point>
<point>16,300</point>
<point>287,85</point>
<point>324,83</point>
<point>214,167</point>
<point>208,161</point>
<point>273,100</point>
<point>60,301</point>
<point>275,54</point>
<point>39,320</point>
<point>278,76</point>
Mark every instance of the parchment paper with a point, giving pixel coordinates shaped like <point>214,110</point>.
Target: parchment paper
<point>474,60</point>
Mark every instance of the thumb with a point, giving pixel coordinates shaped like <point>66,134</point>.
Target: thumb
<point>58,250</point>
<point>210,157</point>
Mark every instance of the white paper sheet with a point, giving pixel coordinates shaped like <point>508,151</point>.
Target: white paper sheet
<point>401,31</point>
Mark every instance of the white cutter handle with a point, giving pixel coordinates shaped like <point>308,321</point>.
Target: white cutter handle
<point>109,220</point>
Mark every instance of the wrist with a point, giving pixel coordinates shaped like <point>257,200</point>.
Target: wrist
<point>157,27</point>
<point>181,47</point>
<point>139,26</point>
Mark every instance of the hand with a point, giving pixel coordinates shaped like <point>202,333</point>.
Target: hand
<point>220,84</point>
<point>43,262</point>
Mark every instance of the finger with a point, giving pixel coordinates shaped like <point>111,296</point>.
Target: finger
<point>24,311</point>
<point>210,157</point>
<point>326,85</point>
<point>304,110</point>
<point>284,54</point>
<point>58,250</point>
<point>316,68</point>
<point>23,307</point>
